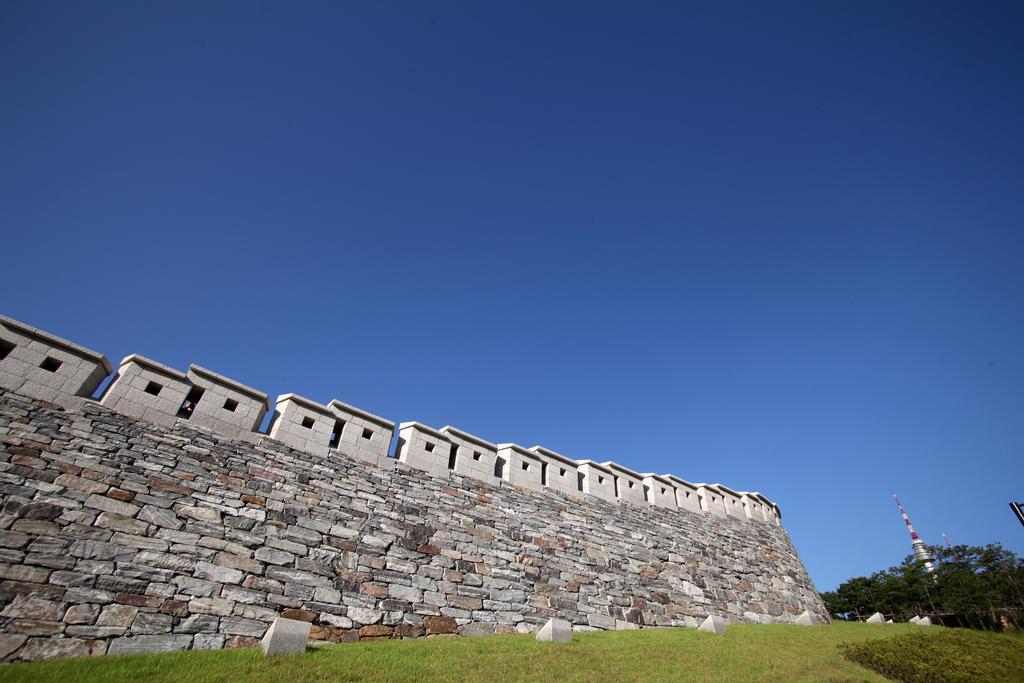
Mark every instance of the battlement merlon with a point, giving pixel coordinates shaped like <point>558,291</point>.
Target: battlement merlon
<point>217,378</point>
<point>773,506</point>
<point>224,405</point>
<point>147,389</point>
<point>359,412</point>
<point>559,472</point>
<point>659,490</point>
<point>452,431</point>
<point>304,402</point>
<point>628,483</point>
<point>731,500</point>
<point>755,508</point>
<point>153,365</point>
<point>687,496</point>
<point>424,448</point>
<point>522,466</point>
<point>303,424</point>
<point>471,455</point>
<point>362,434</point>
<point>598,480</point>
<point>59,342</point>
<point>46,367</point>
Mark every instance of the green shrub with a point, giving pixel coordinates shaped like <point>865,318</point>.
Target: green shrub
<point>942,655</point>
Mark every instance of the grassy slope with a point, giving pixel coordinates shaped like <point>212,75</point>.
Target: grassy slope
<point>943,655</point>
<point>747,652</point>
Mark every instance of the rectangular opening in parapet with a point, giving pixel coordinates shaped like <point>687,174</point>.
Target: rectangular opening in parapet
<point>231,405</point>
<point>600,480</point>
<point>476,455</point>
<point>499,467</point>
<point>188,406</point>
<point>50,364</point>
<point>308,422</point>
<point>526,467</point>
<point>561,471</point>
<point>647,491</point>
<point>451,457</point>
<point>544,474</point>
<point>430,447</point>
<point>153,388</point>
<point>339,427</point>
<point>632,484</point>
<point>5,348</point>
<point>367,433</point>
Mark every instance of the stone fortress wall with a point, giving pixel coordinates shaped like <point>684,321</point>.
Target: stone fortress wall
<point>159,518</point>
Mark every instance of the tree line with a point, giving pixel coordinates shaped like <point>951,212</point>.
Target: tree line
<point>974,586</point>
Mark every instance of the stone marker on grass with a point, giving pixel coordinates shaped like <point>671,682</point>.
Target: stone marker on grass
<point>807,619</point>
<point>555,631</point>
<point>713,624</point>
<point>286,636</point>
<point>924,621</point>
<point>876,618</point>
<point>914,619</point>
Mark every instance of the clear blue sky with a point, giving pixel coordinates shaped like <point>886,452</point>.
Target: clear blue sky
<point>775,246</point>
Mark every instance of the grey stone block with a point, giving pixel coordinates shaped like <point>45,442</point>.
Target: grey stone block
<point>555,631</point>
<point>713,624</point>
<point>286,636</point>
<point>136,644</point>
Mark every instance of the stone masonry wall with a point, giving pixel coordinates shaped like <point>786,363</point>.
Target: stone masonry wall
<point>119,536</point>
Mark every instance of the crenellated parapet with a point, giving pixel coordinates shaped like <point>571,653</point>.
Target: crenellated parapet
<point>46,367</point>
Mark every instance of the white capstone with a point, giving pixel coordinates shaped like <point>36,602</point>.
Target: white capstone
<point>914,619</point>
<point>713,624</point>
<point>807,619</point>
<point>555,631</point>
<point>876,618</point>
<point>924,621</point>
<point>286,636</point>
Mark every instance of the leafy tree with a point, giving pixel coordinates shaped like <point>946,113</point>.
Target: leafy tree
<point>966,579</point>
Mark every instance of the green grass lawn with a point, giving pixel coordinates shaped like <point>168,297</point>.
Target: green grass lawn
<point>747,652</point>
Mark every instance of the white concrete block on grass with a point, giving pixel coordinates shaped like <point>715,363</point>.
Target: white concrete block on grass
<point>286,636</point>
<point>807,619</point>
<point>555,631</point>
<point>713,624</point>
<point>876,618</point>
